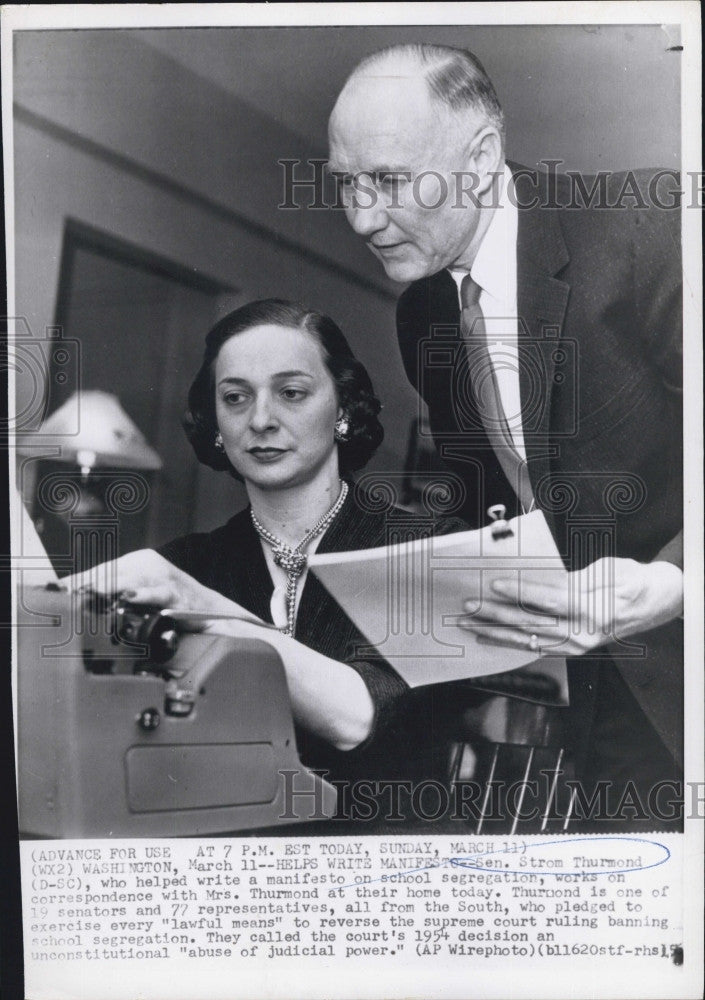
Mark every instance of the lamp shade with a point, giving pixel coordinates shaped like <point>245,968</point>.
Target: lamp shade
<point>92,430</point>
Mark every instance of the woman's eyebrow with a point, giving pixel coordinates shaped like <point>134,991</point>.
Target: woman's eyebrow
<point>232,380</point>
<point>236,380</point>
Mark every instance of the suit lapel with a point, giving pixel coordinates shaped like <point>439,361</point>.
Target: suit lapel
<point>541,304</point>
<point>437,351</point>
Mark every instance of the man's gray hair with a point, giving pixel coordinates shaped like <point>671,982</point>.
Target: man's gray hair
<point>455,76</point>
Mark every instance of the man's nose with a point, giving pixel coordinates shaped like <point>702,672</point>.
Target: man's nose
<point>367,216</point>
<point>262,415</point>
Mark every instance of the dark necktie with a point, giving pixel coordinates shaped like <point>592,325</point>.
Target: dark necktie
<point>485,390</point>
<point>488,404</point>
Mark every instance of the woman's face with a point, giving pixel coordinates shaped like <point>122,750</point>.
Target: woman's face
<point>276,406</point>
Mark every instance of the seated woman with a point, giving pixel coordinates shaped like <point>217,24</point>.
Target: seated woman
<point>281,402</point>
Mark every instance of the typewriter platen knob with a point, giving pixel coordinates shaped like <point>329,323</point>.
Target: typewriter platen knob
<point>168,642</point>
<point>147,625</point>
<point>160,635</point>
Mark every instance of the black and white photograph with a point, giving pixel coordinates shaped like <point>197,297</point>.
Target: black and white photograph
<point>355,454</point>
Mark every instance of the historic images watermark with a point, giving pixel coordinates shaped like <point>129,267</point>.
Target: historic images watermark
<point>430,800</point>
<point>310,184</point>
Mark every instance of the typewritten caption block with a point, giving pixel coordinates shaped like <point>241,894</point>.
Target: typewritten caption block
<point>257,905</point>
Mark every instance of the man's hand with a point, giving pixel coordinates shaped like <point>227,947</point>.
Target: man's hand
<point>608,600</point>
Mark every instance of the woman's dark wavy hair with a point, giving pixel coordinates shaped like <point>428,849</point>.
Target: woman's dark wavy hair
<point>353,385</point>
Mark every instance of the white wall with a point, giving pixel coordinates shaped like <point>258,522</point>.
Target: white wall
<point>72,117</point>
<point>120,130</point>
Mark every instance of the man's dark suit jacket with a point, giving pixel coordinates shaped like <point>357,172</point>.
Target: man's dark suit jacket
<point>600,315</point>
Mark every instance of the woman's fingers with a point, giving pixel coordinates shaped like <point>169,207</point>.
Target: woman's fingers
<point>145,577</point>
<point>129,572</point>
<point>161,595</point>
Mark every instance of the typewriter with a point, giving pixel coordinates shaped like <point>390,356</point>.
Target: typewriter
<point>131,724</point>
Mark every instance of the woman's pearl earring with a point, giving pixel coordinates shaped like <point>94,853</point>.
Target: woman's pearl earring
<point>219,442</point>
<point>342,429</point>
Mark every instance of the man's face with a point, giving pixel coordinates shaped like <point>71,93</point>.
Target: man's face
<point>387,126</point>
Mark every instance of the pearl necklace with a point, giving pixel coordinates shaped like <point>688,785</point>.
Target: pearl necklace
<point>293,561</point>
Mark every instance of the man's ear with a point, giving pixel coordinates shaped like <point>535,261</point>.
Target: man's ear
<point>485,156</point>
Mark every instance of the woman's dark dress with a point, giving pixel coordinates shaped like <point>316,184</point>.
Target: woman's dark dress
<point>230,560</point>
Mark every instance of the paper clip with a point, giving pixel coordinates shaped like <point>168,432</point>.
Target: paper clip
<point>500,529</point>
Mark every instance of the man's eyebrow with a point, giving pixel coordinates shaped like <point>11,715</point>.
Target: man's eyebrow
<point>378,174</point>
<point>391,170</point>
<point>382,171</point>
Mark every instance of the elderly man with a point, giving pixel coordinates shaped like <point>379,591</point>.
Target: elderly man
<point>546,344</point>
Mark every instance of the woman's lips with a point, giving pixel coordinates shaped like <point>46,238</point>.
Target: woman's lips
<point>266,454</point>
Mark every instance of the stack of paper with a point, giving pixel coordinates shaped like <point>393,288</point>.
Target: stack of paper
<point>407,599</point>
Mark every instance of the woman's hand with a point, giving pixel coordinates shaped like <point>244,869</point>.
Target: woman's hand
<point>327,697</point>
<point>145,577</point>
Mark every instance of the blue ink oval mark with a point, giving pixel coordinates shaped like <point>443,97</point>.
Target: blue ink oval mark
<point>652,854</point>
